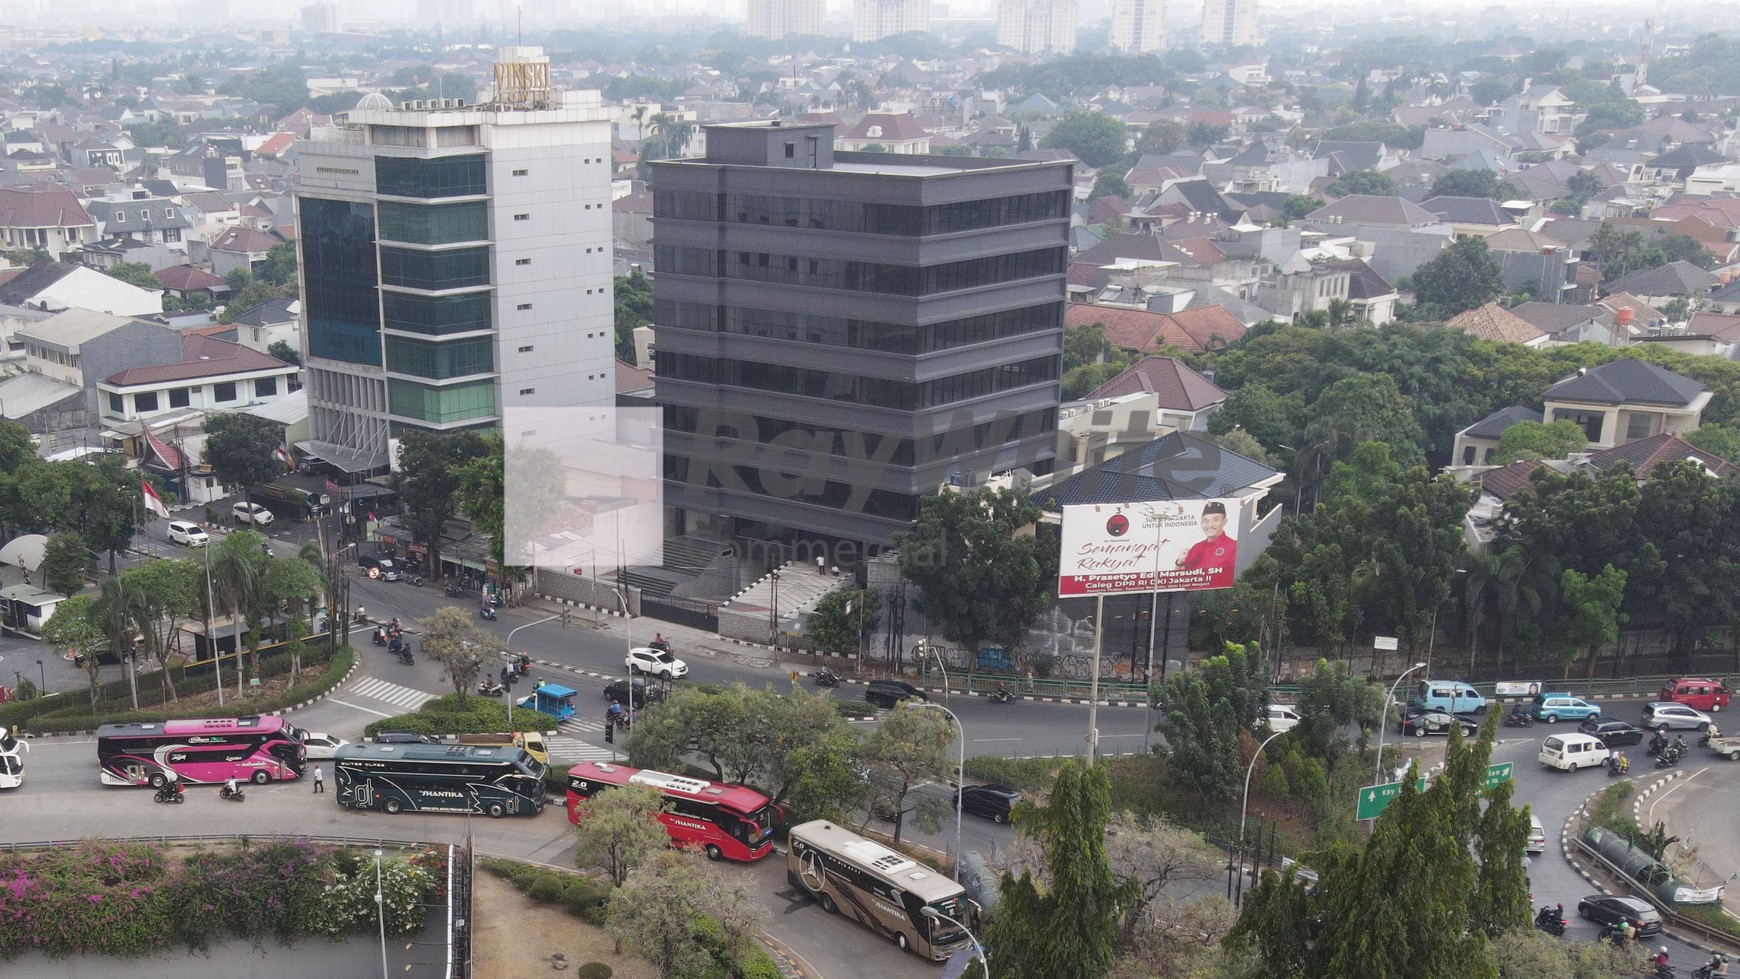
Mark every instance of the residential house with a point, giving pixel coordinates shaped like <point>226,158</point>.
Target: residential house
<point>1726,298</point>
<point>1538,109</point>
<point>78,347</point>
<point>1705,334</point>
<point>1568,323</point>
<point>1400,236</point>
<point>192,284</point>
<point>899,134</point>
<point>1475,444</point>
<point>273,321</point>
<point>1675,280</point>
<point>1345,156</point>
<point>1470,217</point>
<point>1719,178</point>
<point>55,286</point>
<point>1184,398</point>
<point>208,373</point>
<point>1263,167</point>
<point>1373,298</point>
<point>1460,141</point>
<point>1494,322</point>
<point>1297,287</point>
<point>1533,262</point>
<point>141,218</point>
<point>236,248</point>
<point>1674,166</point>
<point>1138,331</point>
<point>44,216</point>
<point>1626,400</point>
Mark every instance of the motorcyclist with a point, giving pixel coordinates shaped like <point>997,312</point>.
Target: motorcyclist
<point>614,712</point>
<point>1680,743</point>
<point>1657,743</point>
<point>1660,959</point>
<point>1624,763</point>
<point>1717,966</point>
<point>1629,930</point>
<point>230,787</point>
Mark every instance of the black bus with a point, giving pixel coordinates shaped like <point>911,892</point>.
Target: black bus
<point>290,501</point>
<point>492,780</point>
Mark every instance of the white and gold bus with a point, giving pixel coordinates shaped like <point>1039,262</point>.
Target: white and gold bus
<point>879,888</point>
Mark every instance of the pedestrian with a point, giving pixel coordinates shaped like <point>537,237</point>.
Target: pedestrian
<point>319,780</point>
<point>821,564</point>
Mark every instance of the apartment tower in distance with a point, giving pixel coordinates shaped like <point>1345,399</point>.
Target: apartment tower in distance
<point>841,334</point>
<point>1037,26</point>
<point>873,20</point>
<point>1138,26</point>
<point>774,19</point>
<point>456,261</point>
<point>1229,23</point>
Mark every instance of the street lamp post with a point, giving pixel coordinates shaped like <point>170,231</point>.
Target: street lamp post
<point>773,613</point>
<point>510,649</point>
<point>960,773</point>
<point>1244,810</point>
<point>940,667</point>
<point>381,914</point>
<point>1383,720</point>
<point>978,949</point>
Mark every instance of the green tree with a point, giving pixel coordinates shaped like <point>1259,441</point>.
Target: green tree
<point>1533,440</point>
<point>158,597</point>
<point>282,350</point>
<point>983,564</point>
<point>908,749</point>
<point>427,482</point>
<point>1078,382</point>
<point>1095,138</point>
<point>618,831</point>
<point>804,753</point>
<point>279,268</point>
<point>686,917</point>
<point>1065,924</point>
<point>1088,345</point>
<point>73,628</point>
<point>136,274</point>
<point>1684,519</point>
<point>238,571</point>
<point>239,448</point>
<point>1162,137</point>
<point>708,724</point>
<point>634,307</point>
<point>1364,408</point>
<point>1472,183</point>
<point>837,621</point>
<point>1460,278</point>
<point>1720,440</point>
<point>450,639</point>
<point>1207,710</point>
<point>1109,183</point>
<point>1205,133</point>
<point>1501,893</point>
<point>1361,182</point>
<point>1330,701</point>
<point>1297,206</point>
<point>63,562</point>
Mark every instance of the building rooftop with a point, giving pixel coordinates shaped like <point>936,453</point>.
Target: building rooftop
<point>1493,425</point>
<point>1628,381</point>
<point>201,356</point>
<point>1177,387</point>
<point>1178,466</point>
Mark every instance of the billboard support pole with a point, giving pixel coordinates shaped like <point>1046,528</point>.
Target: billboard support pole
<point>1093,737</point>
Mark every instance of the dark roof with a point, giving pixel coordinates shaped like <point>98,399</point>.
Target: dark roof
<point>24,286</point>
<point>1555,318</point>
<point>1177,387</point>
<point>1179,466</point>
<point>1493,425</point>
<point>1680,278</point>
<point>201,356</point>
<point>268,313</point>
<point>1628,381</point>
<point>1202,197</point>
<point>1115,247</point>
<point>1688,155</point>
<point>1353,154</point>
<point>1373,209</point>
<point>1363,281</point>
<point>1645,454</point>
<point>1468,210</point>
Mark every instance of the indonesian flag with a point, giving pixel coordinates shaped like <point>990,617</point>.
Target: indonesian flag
<point>153,502</point>
<point>283,456</point>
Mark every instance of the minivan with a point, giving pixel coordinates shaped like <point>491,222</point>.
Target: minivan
<point>380,566</point>
<point>1537,836</point>
<point>1703,694</point>
<point>1282,718</point>
<point>1555,707</point>
<point>251,513</point>
<point>188,533</point>
<point>889,693</point>
<point>1450,696</point>
<point>1569,752</point>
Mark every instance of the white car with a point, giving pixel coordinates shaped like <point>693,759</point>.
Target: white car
<point>188,533</point>
<point>645,659</point>
<point>1282,717</point>
<point>251,513</point>
<point>321,746</point>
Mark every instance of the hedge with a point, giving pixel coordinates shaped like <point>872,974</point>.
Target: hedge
<point>479,715</point>
<point>71,711</point>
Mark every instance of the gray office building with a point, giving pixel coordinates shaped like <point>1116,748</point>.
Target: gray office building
<point>840,334</point>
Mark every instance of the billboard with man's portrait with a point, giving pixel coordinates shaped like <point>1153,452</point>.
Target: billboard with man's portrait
<point>1170,545</point>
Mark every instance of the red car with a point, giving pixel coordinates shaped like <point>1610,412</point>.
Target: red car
<point>1701,693</point>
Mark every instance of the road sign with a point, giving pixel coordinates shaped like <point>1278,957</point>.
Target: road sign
<point>1386,643</point>
<point>1374,799</point>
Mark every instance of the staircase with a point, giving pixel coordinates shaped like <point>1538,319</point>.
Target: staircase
<point>800,588</point>
<point>685,558</point>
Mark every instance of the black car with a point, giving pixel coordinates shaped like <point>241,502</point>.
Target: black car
<point>889,693</point>
<point>1611,733</point>
<point>644,692</point>
<point>1422,723</point>
<point>1608,910</point>
<point>994,802</point>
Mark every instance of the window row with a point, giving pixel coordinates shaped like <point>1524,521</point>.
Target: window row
<point>904,395</point>
<point>863,217</point>
<point>446,176</point>
<point>900,338</point>
<point>434,224</point>
<point>835,496</point>
<point>854,276</point>
<point>443,360</point>
<point>223,392</point>
<point>438,405</point>
<point>437,315</point>
<point>761,429</point>
<point>455,269</point>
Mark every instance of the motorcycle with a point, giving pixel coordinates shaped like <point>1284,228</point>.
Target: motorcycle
<point>415,579</point>
<point>454,591</point>
<point>1669,757</point>
<point>379,637</point>
<point>1657,743</point>
<point>1709,732</point>
<point>169,792</point>
<point>236,796</point>
<point>1618,766</point>
<point>490,688</point>
<point>1551,921</point>
<point>406,658</point>
<point>619,720</point>
<point>359,617</point>
<point>1708,969</point>
<point>1000,697</point>
<point>663,645</point>
<point>486,612</point>
<point>826,677</point>
<point>1519,717</point>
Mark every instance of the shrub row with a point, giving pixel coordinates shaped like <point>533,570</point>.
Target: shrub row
<point>583,897</point>
<point>1032,774</point>
<point>445,715</point>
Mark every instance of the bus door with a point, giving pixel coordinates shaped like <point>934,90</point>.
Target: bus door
<point>135,772</point>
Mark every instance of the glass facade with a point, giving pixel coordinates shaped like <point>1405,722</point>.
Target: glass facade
<point>862,217</point>
<point>447,176</point>
<point>437,315</point>
<point>854,276</point>
<point>730,427</point>
<point>438,405</point>
<point>434,224</point>
<point>907,395</point>
<point>859,334</point>
<point>452,269</point>
<point>440,360</point>
<point>338,270</point>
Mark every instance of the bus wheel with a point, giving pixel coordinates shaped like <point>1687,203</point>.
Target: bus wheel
<point>828,904</point>
<point>497,810</point>
<point>391,806</point>
<point>261,776</point>
<point>900,941</point>
<point>158,780</point>
<point>714,853</point>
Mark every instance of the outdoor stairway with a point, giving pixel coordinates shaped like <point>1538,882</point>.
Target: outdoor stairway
<point>800,588</point>
<point>685,559</point>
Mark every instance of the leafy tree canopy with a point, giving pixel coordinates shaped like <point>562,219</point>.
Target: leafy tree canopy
<point>1361,182</point>
<point>1095,138</point>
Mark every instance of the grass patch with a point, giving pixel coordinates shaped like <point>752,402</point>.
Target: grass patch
<point>478,715</point>
<point>1710,916</point>
<point>1032,774</point>
<point>1609,811</point>
<point>853,708</point>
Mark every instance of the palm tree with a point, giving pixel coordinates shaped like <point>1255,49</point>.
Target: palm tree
<point>116,612</point>
<point>237,580</point>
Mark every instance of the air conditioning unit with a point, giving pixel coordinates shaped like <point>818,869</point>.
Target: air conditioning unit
<point>459,103</point>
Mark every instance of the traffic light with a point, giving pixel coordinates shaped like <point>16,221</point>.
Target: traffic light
<point>609,732</point>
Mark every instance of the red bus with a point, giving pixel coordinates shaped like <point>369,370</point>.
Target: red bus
<point>245,748</point>
<point>728,821</point>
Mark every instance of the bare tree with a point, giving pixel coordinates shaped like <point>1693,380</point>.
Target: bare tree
<point>451,640</point>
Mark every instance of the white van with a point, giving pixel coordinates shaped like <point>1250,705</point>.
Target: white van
<point>1537,836</point>
<point>251,513</point>
<point>188,533</point>
<point>1282,717</point>
<point>1569,752</point>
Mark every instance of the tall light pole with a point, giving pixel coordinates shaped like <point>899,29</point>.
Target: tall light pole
<point>773,613</point>
<point>960,772</point>
<point>927,647</point>
<point>1383,720</point>
<point>978,949</point>
<point>510,649</point>
<point>381,913</point>
<point>1244,810</point>
<point>217,663</point>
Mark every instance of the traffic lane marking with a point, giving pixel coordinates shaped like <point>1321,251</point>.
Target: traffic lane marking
<point>366,710</point>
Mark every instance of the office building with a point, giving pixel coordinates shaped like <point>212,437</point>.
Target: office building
<point>320,18</point>
<point>456,261</point>
<point>1037,26</point>
<point>1229,23</point>
<point>774,19</point>
<point>873,20</point>
<point>841,334</point>
<point>1138,26</point>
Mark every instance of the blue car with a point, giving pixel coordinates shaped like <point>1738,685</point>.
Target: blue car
<point>1555,707</point>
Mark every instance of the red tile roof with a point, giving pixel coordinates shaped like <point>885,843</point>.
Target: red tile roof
<point>1645,454</point>
<point>885,125</point>
<point>1194,330</point>
<point>276,144</point>
<point>1507,481</point>
<point>1494,322</point>
<point>201,356</point>
<point>630,379</point>
<point>1178,387</point>
<point>184,277</point>
<point>42,206</point>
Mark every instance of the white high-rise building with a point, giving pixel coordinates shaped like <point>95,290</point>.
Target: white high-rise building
<point>456,261</point>
<point>320,18</point>
<point>1229,23</point>
<point>1138,26</point>
<point>873,20</point>
<point>1037,26</point>
<point>774,19</point>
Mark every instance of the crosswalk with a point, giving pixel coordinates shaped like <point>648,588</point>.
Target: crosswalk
<point>393,693</point>
<point>569,746</point>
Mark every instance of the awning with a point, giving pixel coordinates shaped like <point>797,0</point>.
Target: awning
<point>347,459</point>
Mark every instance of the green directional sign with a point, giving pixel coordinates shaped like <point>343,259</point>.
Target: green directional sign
<point>1374,799</point>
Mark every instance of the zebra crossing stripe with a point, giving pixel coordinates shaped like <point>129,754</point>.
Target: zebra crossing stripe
<point>391,693</point>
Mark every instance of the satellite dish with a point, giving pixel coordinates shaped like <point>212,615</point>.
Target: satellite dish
<point>24,552</point>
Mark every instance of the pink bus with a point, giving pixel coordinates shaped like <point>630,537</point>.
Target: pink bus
<point>203,751</point>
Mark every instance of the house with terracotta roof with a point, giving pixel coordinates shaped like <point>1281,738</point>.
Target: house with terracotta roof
<point>209,373</point>
<point>1626,400</point>
<point>900,134</point>
<point>1494,322</point>
<point>45,216</point>
<point>189,283</point>
<point>1139,331</point>
<point>1183,398</point>
<point>1568,323</point>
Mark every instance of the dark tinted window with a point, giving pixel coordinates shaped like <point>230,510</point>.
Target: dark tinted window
<point>450,176</point>
<point>453,269</point>
<point>338,268</point>
<point>437,315</point>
